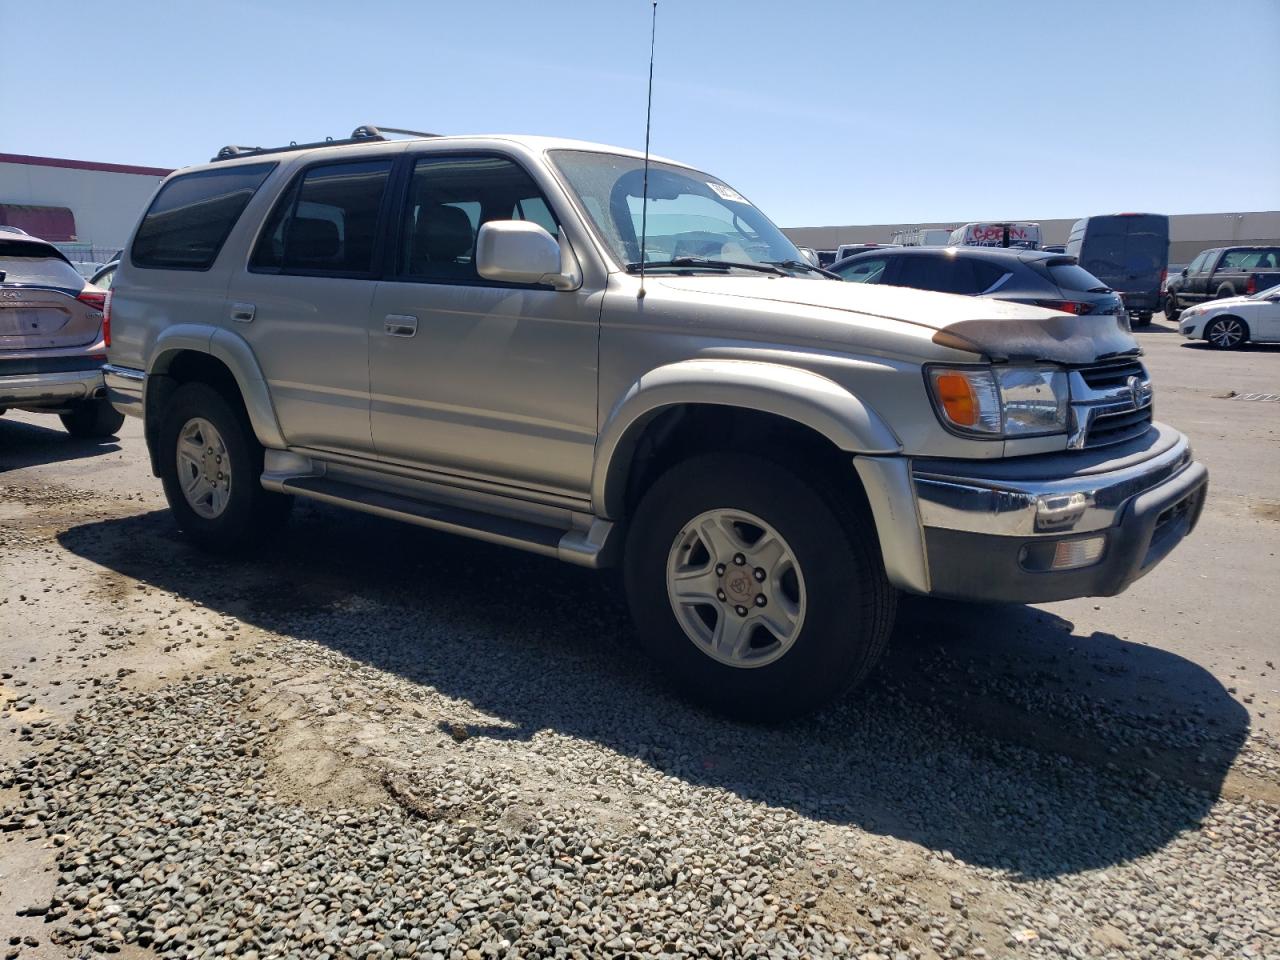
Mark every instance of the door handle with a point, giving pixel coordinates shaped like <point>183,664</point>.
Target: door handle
<point>242,312</point>
<point>398,325</point>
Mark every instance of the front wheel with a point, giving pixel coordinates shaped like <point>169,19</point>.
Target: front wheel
<point>1144,318</point>
<point>211,465</point>
<point>1226,333</point>
<point>92,420</point>
<point>1171,311</point>
<point>757,593</point>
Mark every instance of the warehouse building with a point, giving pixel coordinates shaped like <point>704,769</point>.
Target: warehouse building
<point>1189,233</point>
<point>88,209</point>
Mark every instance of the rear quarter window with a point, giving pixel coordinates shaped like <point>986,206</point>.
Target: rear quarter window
<point>1072,276</point>
<point>191,216</point>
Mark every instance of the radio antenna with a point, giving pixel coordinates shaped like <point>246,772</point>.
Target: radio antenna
<point>648,118</point>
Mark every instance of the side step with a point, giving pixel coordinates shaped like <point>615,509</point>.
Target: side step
<point>583,547</point>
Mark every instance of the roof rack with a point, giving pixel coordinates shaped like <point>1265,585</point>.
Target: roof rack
<point>366,133</point>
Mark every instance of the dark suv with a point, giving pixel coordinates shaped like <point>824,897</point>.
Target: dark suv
<point>1049,280</point>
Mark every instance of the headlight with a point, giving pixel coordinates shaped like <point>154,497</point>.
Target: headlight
<point>1009,401</point>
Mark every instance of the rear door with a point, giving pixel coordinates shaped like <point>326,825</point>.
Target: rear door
<point>303,303</point>
<point>38,305</point>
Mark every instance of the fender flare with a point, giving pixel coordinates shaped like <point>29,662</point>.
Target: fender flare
<point>803,396</point>
<point>237,356</point>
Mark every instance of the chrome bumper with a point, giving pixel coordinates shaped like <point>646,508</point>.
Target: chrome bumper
<point>124,388</point>
<point>35,389</point>
<point>1078,504</point>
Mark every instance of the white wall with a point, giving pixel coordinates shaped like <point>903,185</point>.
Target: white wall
<point>106,204</point>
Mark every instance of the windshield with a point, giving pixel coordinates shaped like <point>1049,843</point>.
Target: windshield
<point>689,213</point>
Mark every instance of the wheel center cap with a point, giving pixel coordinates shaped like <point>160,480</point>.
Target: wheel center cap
<point>739,585</point>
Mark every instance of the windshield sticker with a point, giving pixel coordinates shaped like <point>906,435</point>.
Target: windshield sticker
<point>726,192</point>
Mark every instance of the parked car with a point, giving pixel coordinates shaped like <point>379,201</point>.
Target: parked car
<point>1234,321</point>
<point>478,335</point>
<point>1222,272</point>
<point>52,338</point>
<point>1127,252</point>
<point>104,276</point>
<point>1053,281</point>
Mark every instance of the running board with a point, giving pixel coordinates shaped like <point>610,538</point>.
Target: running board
<point>586,548</point>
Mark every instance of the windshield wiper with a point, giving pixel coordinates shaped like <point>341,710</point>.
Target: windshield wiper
<point>805,265</point>
<point>709,264</point>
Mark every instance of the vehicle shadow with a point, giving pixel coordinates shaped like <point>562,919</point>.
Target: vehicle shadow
<point>976,737</point>
<point>1246,348</point>
<point>28,445</point>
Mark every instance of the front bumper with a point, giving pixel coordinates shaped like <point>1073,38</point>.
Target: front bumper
<point>994,531</point>
<point>125,387</point>
<point>51,389</point>
<point>1192,327</point>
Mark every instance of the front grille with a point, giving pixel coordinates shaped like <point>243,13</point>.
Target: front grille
<point>1109,398</point>
<point>1113,374</point>
<point>1109,428</point>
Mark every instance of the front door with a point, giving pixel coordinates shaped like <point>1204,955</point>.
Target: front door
<point>303,304</point>
<point>472,377</point>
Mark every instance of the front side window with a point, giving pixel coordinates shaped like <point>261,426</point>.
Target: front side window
<point>450,198</point>
<point>191,216</point>
<point>870,270</point>
<point>327,222</point>
<point>690,214</point>
<point>1201,263</point>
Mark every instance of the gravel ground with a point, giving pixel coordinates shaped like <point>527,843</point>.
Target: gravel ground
<point>422,747</point>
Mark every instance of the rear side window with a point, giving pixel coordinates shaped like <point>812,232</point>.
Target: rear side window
<point>327,222</point>
<point>35,264</point>
<point>966,276</point>
<point>190,217</point>
<point>1072,276</point>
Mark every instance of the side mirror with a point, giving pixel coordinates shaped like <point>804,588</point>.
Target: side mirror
<point>1184,271</point>
<point>518,251</point>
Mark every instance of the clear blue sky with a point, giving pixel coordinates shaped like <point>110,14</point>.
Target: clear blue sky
<point>824,113</point>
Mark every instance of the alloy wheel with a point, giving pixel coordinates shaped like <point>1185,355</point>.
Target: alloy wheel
<point>1226,333</point>
<point>204,468</point>
<point>736,588</point>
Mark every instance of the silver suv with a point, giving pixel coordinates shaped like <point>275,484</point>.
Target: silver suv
<point>495,336</point>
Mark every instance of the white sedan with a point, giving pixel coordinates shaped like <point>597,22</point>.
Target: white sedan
<point>1228,323</point>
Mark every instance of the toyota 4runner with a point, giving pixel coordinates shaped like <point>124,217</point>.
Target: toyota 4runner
<point>498,337</point>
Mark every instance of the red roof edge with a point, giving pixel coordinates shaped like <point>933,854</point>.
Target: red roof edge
<point>83,165</point>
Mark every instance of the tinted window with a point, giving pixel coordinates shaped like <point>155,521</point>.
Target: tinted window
<point>190,217</point>
<point>870,270</point>
<point>327,222</point>
<point>947,274</point>
<point>1072,276</point>
<point>450,198</point>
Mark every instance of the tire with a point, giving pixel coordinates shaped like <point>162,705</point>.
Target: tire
<point>233,511</point>
<point>1224,291</point>
<point>1171,311</point>
<point>1226,333</point>
<point>1144,318</point>
<point>93,419</point>
<point>836,593</point>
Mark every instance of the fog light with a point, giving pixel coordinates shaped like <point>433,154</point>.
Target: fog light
<point>1071,554</point>
<point>1063,555</point>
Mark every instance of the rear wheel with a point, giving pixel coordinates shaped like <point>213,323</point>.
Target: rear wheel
<point>757,594</point>
<point>92,419</point>
<point>211,465</point>
<point>1171,310</point>
<point>1226,333</point>
<point>1224,291</point>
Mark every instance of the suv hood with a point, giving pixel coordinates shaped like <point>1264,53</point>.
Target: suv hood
<point>995,329</point>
